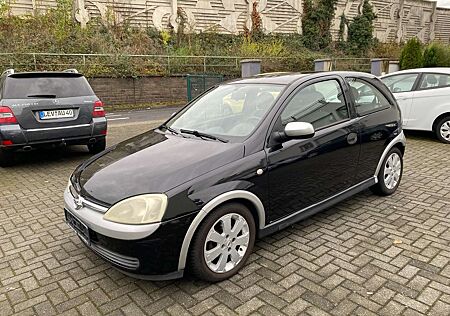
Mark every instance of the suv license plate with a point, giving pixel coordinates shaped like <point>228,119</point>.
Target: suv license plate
<point>81,229</point>
<point>55,114</point>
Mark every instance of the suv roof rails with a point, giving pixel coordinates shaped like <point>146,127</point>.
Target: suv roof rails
<point>71,70</point>
<point>8,72</point>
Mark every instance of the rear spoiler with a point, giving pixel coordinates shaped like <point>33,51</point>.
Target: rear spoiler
<point>53,74</point>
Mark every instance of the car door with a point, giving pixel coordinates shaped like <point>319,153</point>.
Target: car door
<point>433,91</point>
<point>378,118</point>
<point>402,86</point>
<point>304,172</point>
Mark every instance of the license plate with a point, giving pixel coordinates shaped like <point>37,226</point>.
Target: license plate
<point>81,229</point>
<point>55,114</point>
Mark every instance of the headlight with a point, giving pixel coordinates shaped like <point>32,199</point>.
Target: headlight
<point>141,209</point>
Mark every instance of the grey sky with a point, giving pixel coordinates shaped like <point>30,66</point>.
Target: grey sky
<point>443,3</point>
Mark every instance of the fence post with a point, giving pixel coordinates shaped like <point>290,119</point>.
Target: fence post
<point>168,65</point>
<point>250,67</point>
<point>204,64</point>
<point>323,65</point>
<point>378,66</point>
<point>34,60</point>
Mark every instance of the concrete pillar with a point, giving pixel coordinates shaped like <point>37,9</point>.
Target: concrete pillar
<point>394,66</point>
<point>323,65</point>
<point>250,67</point>
<point>379,66</point>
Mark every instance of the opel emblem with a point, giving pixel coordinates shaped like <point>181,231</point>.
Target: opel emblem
<point>78,203</point>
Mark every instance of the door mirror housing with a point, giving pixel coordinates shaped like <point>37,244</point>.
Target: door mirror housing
<point>295,130</point>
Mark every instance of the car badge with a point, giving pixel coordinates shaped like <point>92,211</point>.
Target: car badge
<point>55,101</point>
<point>78,203</point>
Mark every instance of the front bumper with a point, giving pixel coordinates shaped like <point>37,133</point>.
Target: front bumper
<point>142,251</point>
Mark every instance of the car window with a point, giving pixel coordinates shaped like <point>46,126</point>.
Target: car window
<point>230,111</point>
<point>320,104</point>
<point>434,81</point>
<point>367,97</point>
<point>400,83</point>
<point>59,87</point>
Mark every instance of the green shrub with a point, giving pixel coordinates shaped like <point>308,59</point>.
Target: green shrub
<point>316,23</point>
<point>360,31</point>
<point>411,55</point>
<point>436,55</point>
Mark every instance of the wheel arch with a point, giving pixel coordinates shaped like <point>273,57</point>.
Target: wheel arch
<point>250,200</point>
<point>437,119</point>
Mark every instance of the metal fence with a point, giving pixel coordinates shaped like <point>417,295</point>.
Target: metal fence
<point>129,65</point>
<point>142,65</point>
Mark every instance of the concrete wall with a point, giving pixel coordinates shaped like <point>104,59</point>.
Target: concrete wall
<point>119,91</point>
<point>397,20</point>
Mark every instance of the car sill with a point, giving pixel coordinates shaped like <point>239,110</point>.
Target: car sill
<point>315,208</point>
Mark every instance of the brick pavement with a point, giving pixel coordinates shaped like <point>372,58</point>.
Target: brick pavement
<point>365,256</point>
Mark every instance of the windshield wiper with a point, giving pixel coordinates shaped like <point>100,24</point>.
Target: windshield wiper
<point>52,96</point>
<point>203,135</point>
<point>170,129</point>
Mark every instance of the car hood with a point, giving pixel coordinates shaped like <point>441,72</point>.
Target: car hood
<point>151,163</point>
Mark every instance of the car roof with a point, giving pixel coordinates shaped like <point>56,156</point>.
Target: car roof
<point>442,70</point>
<point>287,78</point>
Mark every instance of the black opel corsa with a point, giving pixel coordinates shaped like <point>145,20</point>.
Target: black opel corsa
<point>244,160</point>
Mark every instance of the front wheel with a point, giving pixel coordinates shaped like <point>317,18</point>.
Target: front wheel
<point>97,147</point>
<point>390,173</point>
<point>223,243</point>
<point>442,130</point>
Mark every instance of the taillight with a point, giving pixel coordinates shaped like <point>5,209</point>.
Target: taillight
<point>7,116</point>
<point>7,142</point>
<point>98,111</point>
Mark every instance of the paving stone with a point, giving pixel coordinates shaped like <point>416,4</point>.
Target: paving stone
<point>367,255</point>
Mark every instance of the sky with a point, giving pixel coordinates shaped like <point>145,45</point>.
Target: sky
<point>443,3</point>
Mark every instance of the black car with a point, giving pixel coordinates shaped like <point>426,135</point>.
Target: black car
<point>244,160</point>
<point>46,109</point>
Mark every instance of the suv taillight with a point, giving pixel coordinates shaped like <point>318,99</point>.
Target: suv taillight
<point>98,111</point>
<point>7,116</point>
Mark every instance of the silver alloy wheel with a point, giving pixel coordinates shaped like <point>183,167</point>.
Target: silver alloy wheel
<point>445,130</point>
<point>392,171</point>
<point>226,243</point>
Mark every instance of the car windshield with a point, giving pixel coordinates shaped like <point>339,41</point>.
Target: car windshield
<point>228,112</point>
<point>22,87</point>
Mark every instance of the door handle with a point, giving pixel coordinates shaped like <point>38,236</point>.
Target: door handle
<point>352,138</point>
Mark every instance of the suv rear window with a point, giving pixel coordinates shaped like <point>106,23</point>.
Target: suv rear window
<point>20,87</point>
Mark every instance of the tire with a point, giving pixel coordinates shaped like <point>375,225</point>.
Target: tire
<point>97,147</point>
<point>390,174</point>
<point>212,228</point>
<point>6,158</point>
<point>442,130</point>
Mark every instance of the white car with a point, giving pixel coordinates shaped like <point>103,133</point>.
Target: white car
<point>424,98</point>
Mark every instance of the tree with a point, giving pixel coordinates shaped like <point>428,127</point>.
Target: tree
<point>360,30</point>
<point>411,55</point>
<point>436,55</point>
<point>316,23</point>
<point>341,34</point>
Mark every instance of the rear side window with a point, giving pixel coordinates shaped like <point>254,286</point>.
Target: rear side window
<point>367,97</point>
<point>434,81</point>
<point>400,83</point>
<point>47,86</point>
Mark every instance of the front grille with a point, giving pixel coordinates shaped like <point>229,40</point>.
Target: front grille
<point>119,260</point>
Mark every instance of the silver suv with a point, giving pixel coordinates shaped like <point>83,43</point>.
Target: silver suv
<point>48,108</point>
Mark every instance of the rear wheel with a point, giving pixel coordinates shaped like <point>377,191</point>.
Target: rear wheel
<point>6,158</point>
<point>223,243</point>
<point>442,130</point>
<point>390,173</point>
<point>97,147</point>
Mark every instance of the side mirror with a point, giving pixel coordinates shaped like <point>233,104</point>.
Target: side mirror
<point>296,130</point>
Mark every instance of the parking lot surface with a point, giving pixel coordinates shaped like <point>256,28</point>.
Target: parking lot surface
<point>366,256</point>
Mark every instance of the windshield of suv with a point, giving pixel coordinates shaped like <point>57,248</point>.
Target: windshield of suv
<point>229,111</point>
<point>22,87</point>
